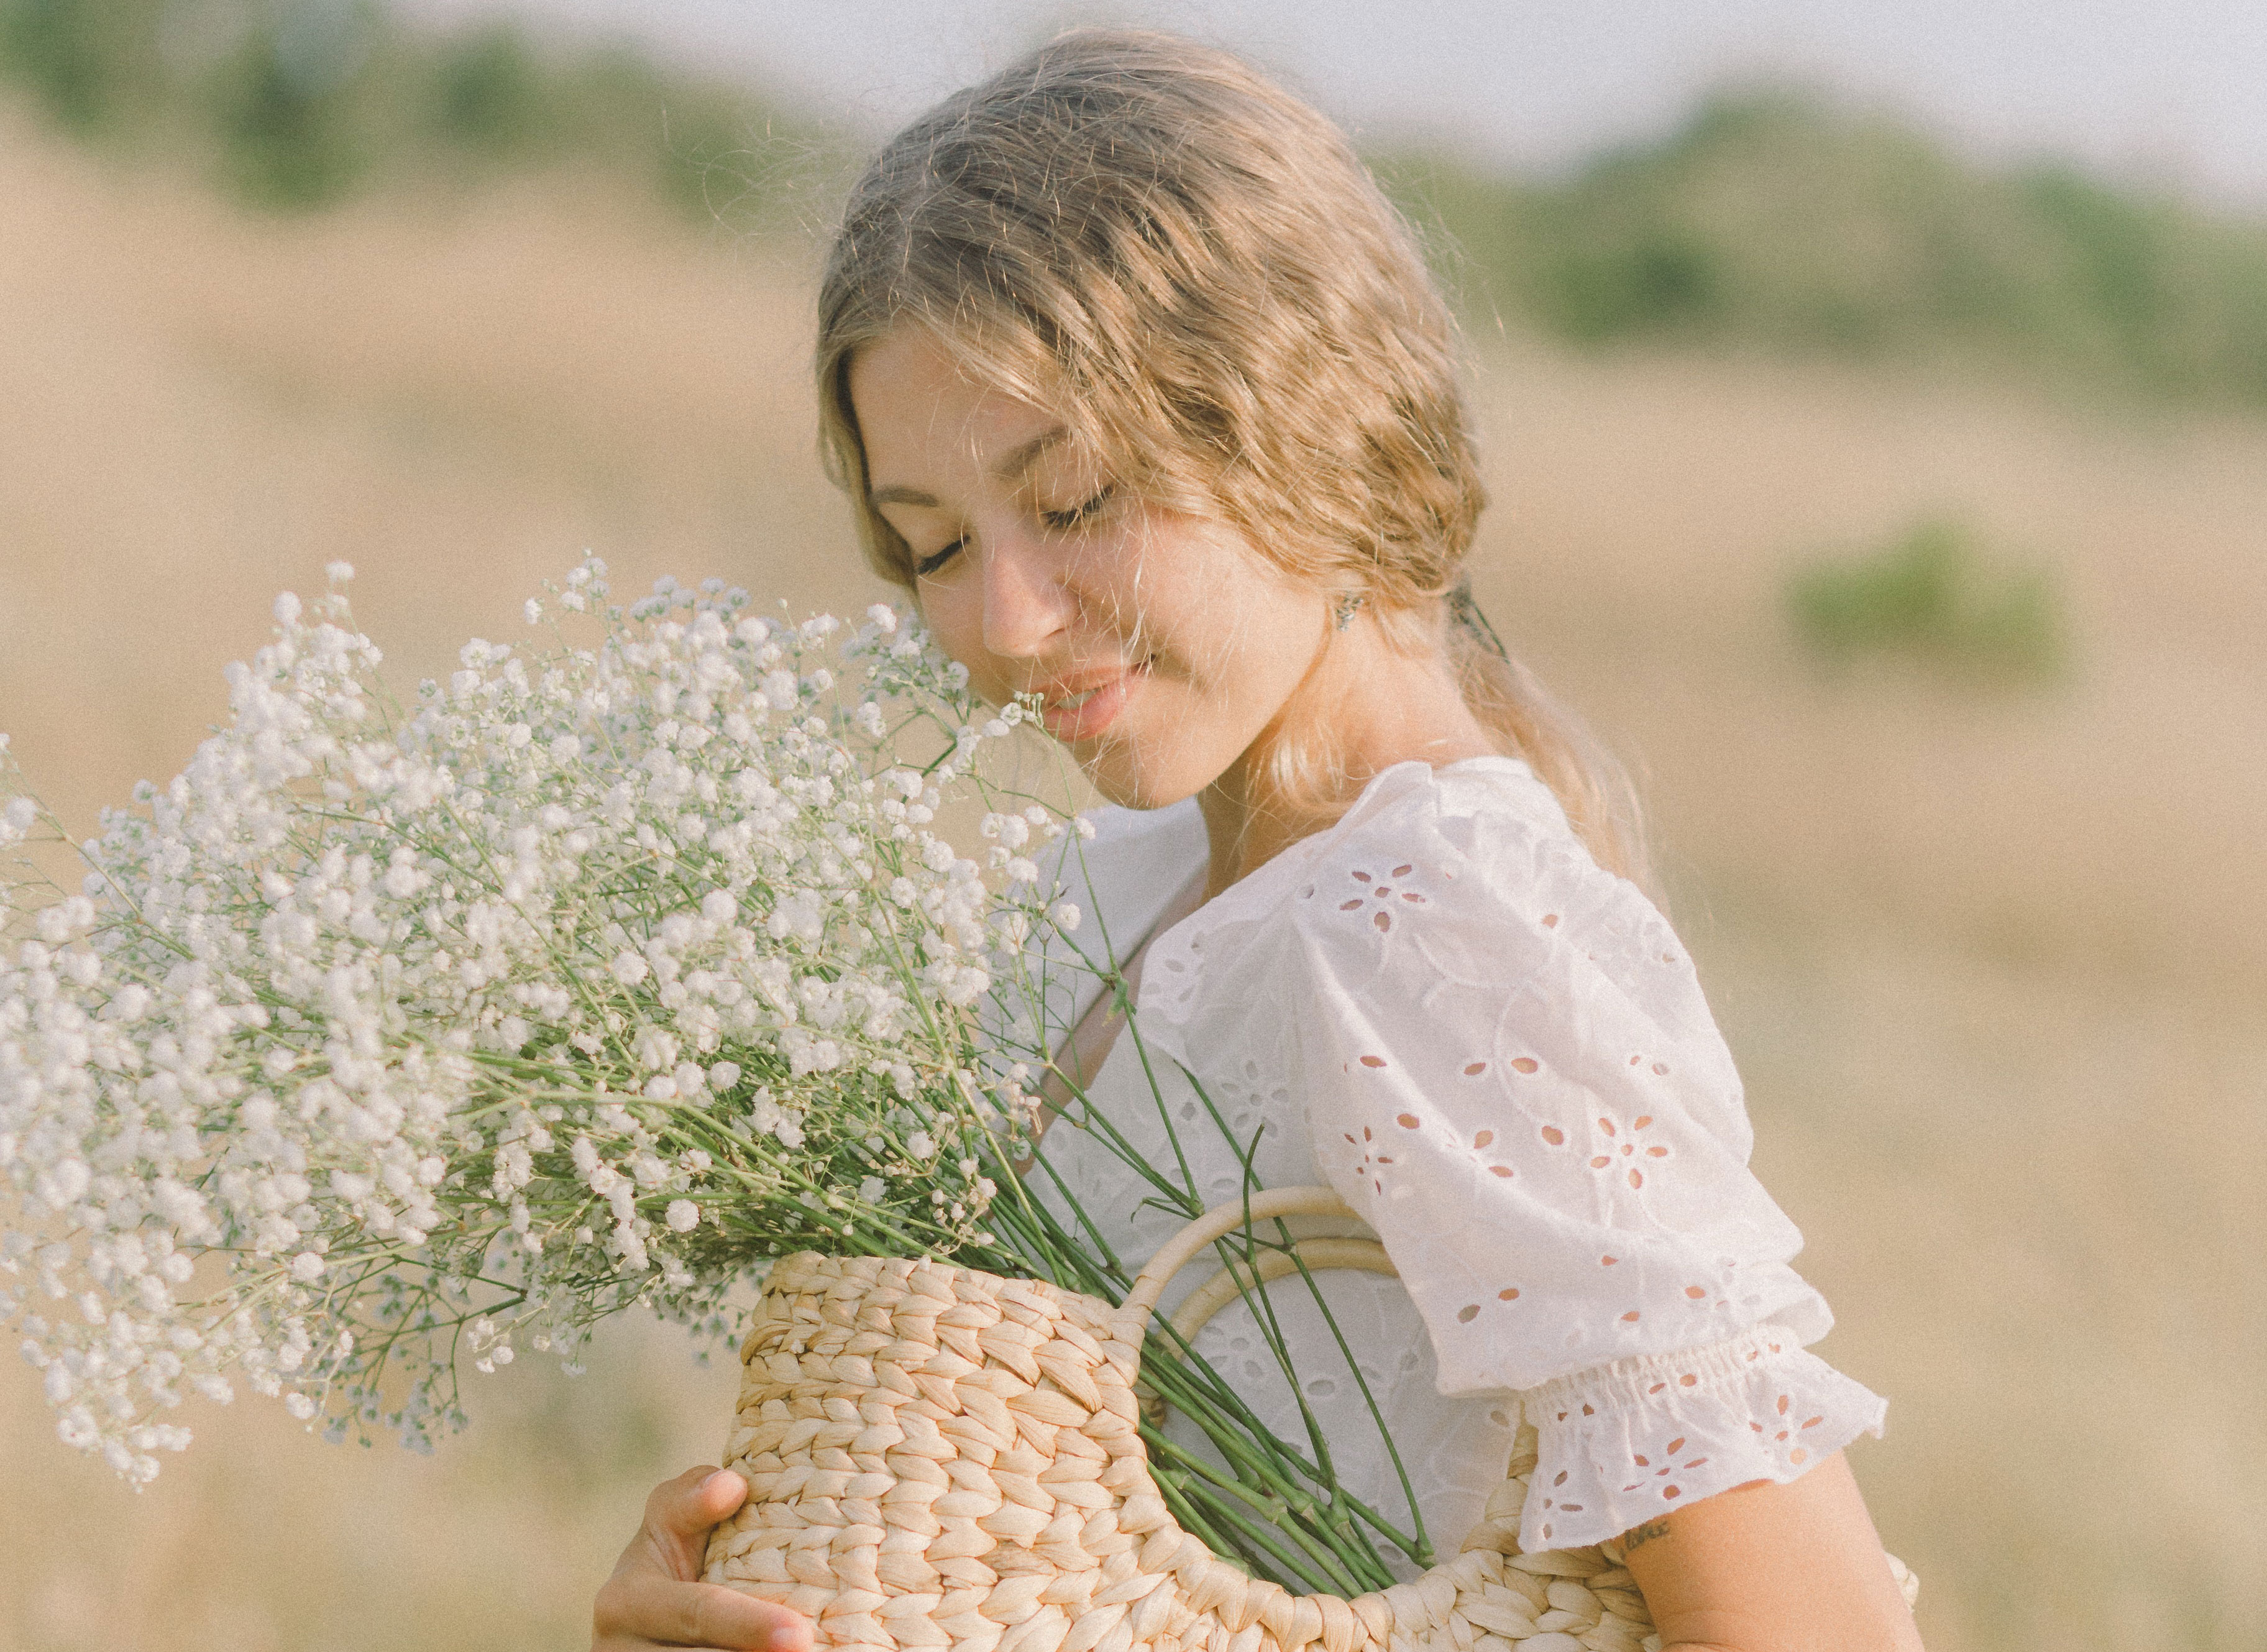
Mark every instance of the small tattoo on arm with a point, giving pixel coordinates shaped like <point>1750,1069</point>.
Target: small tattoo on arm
<point>1637,1536</point>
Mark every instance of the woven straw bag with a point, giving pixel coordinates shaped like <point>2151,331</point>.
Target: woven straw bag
<point>939,1458</point>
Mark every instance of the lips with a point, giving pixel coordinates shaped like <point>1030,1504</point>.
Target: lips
<point>1081,706</point>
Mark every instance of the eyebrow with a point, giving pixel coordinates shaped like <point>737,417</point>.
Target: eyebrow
<point>1014,463</point>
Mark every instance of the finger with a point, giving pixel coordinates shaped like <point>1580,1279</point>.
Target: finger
<point>679,1516</point>
<point>640,1608</point>
<point>717,1496</point>
<point>696,1500</point>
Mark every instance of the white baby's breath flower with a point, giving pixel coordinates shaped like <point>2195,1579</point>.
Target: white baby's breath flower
<point>654,1049</point>
<point>382,1016</point>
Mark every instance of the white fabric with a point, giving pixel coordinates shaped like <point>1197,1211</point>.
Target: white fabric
<point>1499,1054</point>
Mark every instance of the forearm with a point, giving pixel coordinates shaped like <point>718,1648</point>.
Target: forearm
<point>1773,1568</point>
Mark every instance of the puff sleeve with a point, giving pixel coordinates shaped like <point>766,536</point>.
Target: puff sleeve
<point>1511,1075</point>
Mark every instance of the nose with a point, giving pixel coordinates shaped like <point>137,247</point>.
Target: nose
<point>1027,602</point>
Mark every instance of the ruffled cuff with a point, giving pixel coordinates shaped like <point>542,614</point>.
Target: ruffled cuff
<point>1620,1444</point>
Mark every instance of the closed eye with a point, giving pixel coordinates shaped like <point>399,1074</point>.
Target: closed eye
<point>937,559</point>
<point>1064,521</point>
<point>1057,522</point>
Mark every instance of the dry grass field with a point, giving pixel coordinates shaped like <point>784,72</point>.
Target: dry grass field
<point>1993,963</point>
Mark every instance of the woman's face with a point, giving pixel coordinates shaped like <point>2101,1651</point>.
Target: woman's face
<point>1162,646</point>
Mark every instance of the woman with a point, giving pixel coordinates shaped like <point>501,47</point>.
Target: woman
<point>1142,390</point>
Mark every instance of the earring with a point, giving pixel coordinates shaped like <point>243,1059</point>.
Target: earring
<point>1343,611</point>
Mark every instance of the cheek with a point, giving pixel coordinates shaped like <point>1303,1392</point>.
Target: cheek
<point>1250,635</point>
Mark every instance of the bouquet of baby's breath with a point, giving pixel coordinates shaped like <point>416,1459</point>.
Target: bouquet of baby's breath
<point>388,1038</point>
<point>597,977</point>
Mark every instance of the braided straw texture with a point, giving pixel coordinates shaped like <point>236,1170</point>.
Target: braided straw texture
<point>939,1458</point>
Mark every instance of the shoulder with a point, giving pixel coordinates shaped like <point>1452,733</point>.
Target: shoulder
<point>1468,870</point>
<point>1472,877</point>
<point>1488,817</point>
<point>1470,814</point>
<point>1492,916</point>
<point>1480,791</point>
<point>1454,895</point>
<point>1428,864</point>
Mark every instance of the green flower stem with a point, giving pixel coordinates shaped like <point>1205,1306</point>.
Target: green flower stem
<point>1195,1520</point>
<point>1291,1501</point>
<point>1259,1543</point>
<point>1229,1500</point>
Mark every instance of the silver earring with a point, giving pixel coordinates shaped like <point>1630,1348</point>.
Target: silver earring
<point>1343,611</point>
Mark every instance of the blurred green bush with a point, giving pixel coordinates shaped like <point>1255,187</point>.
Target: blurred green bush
<point>298,104</point>
<point>1932,595</point>
<point>1771,220</point>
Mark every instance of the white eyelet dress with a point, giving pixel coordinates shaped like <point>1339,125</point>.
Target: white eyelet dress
<point>1498,1053</point>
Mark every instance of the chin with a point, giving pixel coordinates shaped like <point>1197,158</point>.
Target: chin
<point>1119,772</point>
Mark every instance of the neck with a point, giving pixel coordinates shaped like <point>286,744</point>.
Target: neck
<point>1365,706</point>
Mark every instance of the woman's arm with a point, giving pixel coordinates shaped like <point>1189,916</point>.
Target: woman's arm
<point>654,1597</point>
<point>1767,1567</point>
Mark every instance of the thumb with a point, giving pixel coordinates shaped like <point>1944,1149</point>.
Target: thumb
<point>718,1494</point>
<point>680,1512</point>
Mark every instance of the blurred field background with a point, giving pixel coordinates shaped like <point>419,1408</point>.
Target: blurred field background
<point>1900,520</point>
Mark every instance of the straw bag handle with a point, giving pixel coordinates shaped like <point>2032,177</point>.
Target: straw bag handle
<point>1314,1256</point>
<point>1176,1253</point>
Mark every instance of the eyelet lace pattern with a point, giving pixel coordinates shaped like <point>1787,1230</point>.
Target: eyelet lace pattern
<point>1499,1054</point>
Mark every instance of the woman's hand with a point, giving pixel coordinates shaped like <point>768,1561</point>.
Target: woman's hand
<point>1765,1568</point>
<point>654,1599</point>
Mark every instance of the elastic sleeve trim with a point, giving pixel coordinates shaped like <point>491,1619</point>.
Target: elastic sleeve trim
<point>1619,1444</point>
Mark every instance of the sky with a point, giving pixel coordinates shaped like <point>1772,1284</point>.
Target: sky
<point>2171,91</point>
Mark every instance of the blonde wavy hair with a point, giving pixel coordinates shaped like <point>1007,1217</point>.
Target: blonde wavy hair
<point>1193,269</point>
